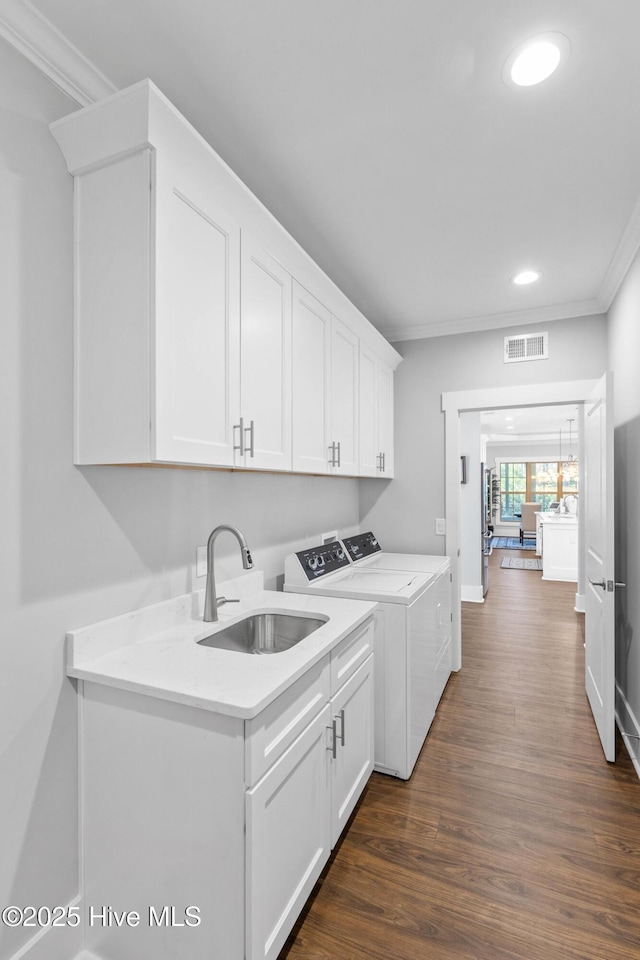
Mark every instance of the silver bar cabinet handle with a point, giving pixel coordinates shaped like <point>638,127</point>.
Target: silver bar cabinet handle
<point>250,430</point>
<point>240,446</point>
<point>334,740</point>
<point>341,715</point>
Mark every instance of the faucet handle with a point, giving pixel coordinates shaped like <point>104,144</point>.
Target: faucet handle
<point>222,600</point>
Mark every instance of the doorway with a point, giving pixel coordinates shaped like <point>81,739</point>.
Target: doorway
<point>520,457</point>
<point>491,398</point>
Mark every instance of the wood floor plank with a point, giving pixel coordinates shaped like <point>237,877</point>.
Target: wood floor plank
<point>514,838</point>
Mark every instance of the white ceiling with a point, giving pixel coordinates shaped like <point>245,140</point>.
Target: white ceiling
<point>382,135</point>
<point>530,424</point>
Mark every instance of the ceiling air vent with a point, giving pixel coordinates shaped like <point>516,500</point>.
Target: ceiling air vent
<point>527,346</point>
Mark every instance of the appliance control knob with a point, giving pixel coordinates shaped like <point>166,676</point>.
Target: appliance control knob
<point>312,562</point>
<point>374,542</point>
<point>353,548</point>
<point>339,553</point>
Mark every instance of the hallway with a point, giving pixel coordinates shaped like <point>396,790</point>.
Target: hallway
<point>514,839</point>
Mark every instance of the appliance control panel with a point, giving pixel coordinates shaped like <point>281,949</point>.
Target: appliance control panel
<point>361,546</point>
<point>327,558</point>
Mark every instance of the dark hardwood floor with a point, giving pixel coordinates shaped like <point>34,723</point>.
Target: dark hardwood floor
<point>514,839</point>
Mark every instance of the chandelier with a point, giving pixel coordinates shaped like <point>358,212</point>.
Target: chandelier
<point>570,470</point>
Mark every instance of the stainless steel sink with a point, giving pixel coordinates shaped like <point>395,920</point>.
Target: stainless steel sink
<point>263,633</point>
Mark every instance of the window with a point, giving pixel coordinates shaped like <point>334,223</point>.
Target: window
<point>541,483</point>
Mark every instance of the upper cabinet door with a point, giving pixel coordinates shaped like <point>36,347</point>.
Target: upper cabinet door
<point>197,323</point>
<point>311,382</point>
<point>385,420</point>
<point>265,360</point>
<point>344,443</point>
<point>368,427</point>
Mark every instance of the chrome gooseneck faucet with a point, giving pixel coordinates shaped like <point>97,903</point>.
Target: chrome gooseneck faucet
<point>211,602</point>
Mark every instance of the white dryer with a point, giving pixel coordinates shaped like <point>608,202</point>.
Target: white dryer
<point>406,641</point>
<point>365,552</point>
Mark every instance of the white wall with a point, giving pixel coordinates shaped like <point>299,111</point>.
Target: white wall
<point>79,545</point>
<point>624,351</point>
<point>403,512</point>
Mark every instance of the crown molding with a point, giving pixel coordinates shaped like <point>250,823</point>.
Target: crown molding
<point>495,321</point>
<point>64,65</point>
<point>625,254</point>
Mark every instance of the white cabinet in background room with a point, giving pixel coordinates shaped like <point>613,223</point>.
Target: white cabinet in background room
<point>183,320</point>
<point>376,415</point>
<point>265,361</point>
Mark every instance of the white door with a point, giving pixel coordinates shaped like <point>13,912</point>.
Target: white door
<point>265,361</point>
<point>599,563</point>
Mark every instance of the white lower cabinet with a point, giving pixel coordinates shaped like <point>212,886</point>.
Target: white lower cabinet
<point>352,745</point>
<point>185,808</point>
<point>299,808</point>
<point>288,838</point>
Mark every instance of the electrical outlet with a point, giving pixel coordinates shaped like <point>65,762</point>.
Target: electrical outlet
<point>201,561</point>
<point>441,526</point>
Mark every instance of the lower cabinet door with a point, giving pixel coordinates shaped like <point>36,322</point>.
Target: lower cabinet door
<point>352,721</point>
<point>288,838</point>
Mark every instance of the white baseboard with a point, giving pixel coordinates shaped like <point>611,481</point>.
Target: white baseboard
<point>579,603</point>
<point>54,943</point>
<point>628,724</point>
<point>471,594</point>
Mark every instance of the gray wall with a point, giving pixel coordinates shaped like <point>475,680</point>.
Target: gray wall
<point>624,351</point>
<point>79,545</point>
<point>403,512</point>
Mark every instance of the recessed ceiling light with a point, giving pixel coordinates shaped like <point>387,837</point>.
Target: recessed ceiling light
<point>524,277</point>
<point>536,59</point>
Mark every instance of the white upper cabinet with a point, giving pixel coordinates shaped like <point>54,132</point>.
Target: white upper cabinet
<point>311,382</point>
<point>376,416</point>
<point>344,443</point>
<point>196,376</point>
<point>385,420</point>
<point>193,345</point>
<point>265,365</point>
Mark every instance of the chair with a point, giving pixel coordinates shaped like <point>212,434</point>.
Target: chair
<point>528,520</point>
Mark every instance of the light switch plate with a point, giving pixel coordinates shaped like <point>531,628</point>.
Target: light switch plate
<point>441,526</point>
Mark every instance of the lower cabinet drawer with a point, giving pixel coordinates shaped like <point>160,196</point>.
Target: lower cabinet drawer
<point>350,654</point>
<point>287,839</point>
<point>270,733</point>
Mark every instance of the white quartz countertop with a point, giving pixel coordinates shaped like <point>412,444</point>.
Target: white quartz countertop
<point>154,650</point>
<point>557,518</point>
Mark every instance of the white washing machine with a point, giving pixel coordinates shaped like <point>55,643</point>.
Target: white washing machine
<point>406,643</point>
